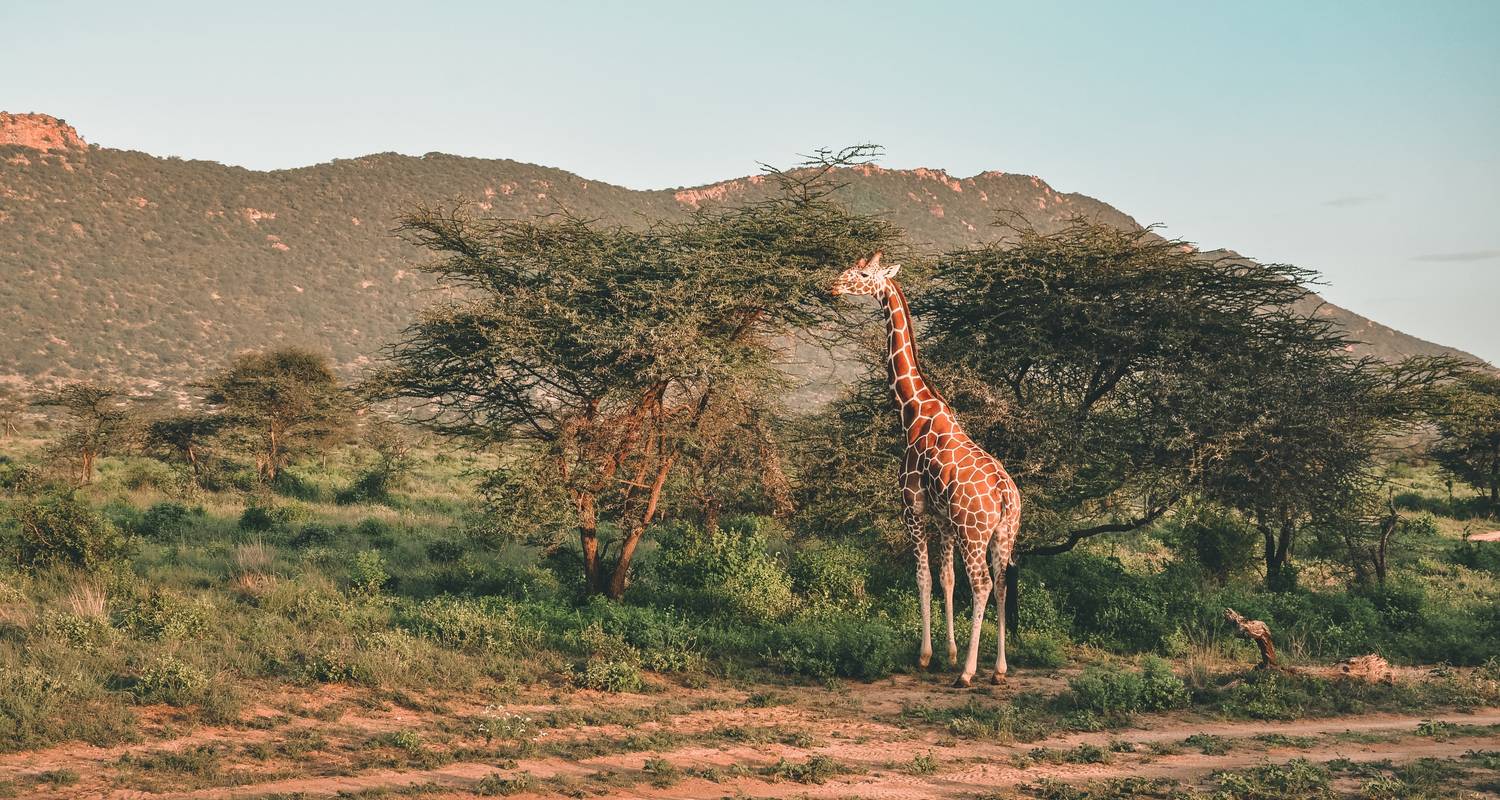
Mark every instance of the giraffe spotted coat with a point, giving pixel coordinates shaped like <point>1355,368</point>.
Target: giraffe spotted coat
<point>944,471</point>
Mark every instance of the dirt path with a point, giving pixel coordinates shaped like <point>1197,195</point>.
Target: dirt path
<point>709,744</point>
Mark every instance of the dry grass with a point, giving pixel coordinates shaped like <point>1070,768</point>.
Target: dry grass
<point>88,600</point>
<point>254,558</point>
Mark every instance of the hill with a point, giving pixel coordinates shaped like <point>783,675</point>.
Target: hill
<point>155,270</point>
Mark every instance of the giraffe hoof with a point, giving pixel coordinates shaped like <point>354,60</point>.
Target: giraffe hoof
<point>997,678</point>
<point>963,682</point>
<point>953,656</point>
<point>924,660</point>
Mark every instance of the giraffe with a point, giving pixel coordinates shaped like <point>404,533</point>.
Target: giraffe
<point>977,503</point>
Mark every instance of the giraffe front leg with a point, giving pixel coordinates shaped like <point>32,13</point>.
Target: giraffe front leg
<point>924,599</point>
<point>945,574</point>
<point>911,515</point>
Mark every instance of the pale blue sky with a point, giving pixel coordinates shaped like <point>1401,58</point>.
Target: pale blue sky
<point>1361,139</point>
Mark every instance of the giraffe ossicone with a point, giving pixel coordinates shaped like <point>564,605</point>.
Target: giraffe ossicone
<point>976,502</point>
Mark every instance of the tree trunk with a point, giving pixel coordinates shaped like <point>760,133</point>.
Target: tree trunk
<point>618,580</point>
<point>588,539</point>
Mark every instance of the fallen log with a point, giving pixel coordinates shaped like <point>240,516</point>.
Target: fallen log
<point>1258,632</point>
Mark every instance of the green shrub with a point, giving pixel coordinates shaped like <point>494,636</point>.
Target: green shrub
<point>259,519</point>
<point>368,575</point>
<point>473,625</point>
<point>163,615</point>
<point>1160,689</point>
<point>838,645</point>
<point>166,520</point>
<point>377,531</point>
<point>831,572</point>
<point>613,664</point>
<point>314,534</point>
<point>726,571</point>
<point>444,551</point>
<point>63,530</point>
<point>1297,778</point>
<point>1046,650</point>
<point>1111,693</point>
<point>171,681</point>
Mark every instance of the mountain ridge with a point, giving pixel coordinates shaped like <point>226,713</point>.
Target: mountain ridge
<point>154,270</point>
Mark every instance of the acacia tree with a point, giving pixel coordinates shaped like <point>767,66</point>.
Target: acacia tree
<point>98,421</point>
<point>1468,425</point>
<point>603,357</point>
<point>279,402</point>
<point>185,438</point>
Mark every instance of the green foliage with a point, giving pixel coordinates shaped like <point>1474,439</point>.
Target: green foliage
<point>1116,694</point>
<point>1468,424</point>
<point>162,614</point>
<point>279,403</point>
<point>473,625</point>
<point>849,646</point>
<point>612,665</point>
<point>167,520</point>
<point>833,573</point>
<point>64,530</point>
<point>730,570</point>
<point>1298,778</point>
<point>259,519</point>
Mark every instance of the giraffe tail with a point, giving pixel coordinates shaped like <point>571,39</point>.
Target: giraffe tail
<point>1012,579</point>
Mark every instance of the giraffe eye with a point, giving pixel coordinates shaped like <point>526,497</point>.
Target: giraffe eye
<point>864,274</point>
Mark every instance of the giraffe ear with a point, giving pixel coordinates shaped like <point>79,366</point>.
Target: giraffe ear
<point>889,272</point>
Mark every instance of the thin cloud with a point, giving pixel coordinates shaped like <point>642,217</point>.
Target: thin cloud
<point>1466,255</point>
<point>1352,200</point>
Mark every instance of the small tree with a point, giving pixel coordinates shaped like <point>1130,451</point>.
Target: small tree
<point>280,402</point>
<point>98,420</point>
<point>1468,424</point>
<point>185,438</point>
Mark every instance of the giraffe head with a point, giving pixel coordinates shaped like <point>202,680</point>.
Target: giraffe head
<point>868,276</point>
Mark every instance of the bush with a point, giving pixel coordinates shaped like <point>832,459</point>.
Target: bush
<point>368,575</point>
<point>831,572</point>
<point>1161,690</point>
<point>259,519</point>
<point>166,520</point>
<point>483,625</point>
<point>613,665</point>
<point>377,531</point>
<point>1109,693</point>
<point>169,680</point>
<point>726,571</point>
<point>63,530</point>
<point>851,646</point>
<point>1116,693</point>
<point>1047,650</point>
<point>162,615</point>
<point>314,534</point>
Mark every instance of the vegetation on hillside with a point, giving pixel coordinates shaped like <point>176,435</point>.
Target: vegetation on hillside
<point>121,266</point>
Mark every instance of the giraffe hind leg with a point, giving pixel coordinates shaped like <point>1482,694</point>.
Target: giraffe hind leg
<point>977,567</point>
<point>946,575</point>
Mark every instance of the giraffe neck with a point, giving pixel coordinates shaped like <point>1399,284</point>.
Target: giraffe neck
<point>907,383</point>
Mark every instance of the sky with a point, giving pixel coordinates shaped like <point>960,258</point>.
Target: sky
<point>1359,139</point>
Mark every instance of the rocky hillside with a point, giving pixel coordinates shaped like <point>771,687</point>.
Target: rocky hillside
<point>154,270</point>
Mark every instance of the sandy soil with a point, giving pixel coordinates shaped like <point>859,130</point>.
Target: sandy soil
<point>331,740</point>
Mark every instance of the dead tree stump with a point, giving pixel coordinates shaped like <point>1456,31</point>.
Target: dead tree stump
<point>1258,632</point>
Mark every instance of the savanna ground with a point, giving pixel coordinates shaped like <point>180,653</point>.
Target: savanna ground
<point>313,641</point>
